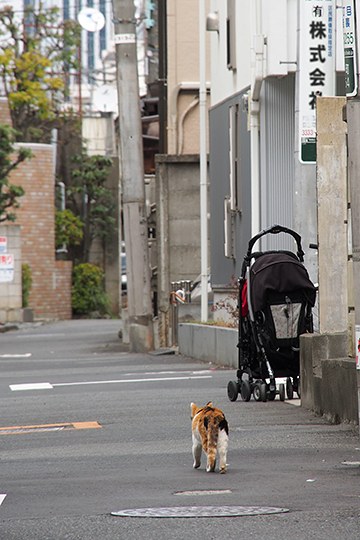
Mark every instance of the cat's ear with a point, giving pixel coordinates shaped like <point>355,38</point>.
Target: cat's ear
<point>194,408</point>
<point>209,404</point>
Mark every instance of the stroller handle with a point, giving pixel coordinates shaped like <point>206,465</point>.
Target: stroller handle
<point>276,229</point>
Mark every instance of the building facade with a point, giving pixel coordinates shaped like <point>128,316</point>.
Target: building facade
<point>266,55</point>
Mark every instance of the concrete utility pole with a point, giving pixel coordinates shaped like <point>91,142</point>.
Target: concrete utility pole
<point>351,30</point>
<point>353,122</point>
<point>132,179</point>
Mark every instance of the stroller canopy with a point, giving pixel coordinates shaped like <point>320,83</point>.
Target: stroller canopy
<point>278,272</point>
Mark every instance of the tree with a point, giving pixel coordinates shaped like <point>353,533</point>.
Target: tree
<point>9,160</point>
<point>35,61</point>
<point>91,200</point>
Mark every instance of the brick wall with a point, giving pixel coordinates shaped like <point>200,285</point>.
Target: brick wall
<point>63,271</point>
<point>50,296</point>
<point>5,117</point>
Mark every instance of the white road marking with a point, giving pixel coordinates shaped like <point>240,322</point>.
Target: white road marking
<point>119,381</point>
<point>49,386</point>
<point>31,386</point>
<point>26,355</point>
<point>199,492</point>
<point>35,336</point>
<point>2,497</point>
<point>199,372</point>
<point>14,431</point>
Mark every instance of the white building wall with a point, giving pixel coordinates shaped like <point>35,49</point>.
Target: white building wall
<point>225,82</point>
<point>277,22</point>
<point>271,22</point>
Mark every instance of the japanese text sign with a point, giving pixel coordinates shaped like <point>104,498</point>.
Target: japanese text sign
<point>316,68</point>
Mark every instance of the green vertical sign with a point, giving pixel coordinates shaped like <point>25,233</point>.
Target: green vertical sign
<point>350,53</point>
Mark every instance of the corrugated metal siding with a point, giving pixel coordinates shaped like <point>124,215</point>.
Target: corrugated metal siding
<point>223,268</point>
<point>277,127</point>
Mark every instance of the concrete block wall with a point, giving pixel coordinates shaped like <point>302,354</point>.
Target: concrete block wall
<point>214,344</point>
<point>328,377</point>
<point>177,229</point>
<point>11,292</point>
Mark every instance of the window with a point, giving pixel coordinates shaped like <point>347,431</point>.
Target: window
<point>231,35</point>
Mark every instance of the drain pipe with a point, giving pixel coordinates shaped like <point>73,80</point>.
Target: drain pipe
<point>180,142</point>
<point>254,116</point>
<point>203,164</point>
<point>189,86</point>
<point>255,165</point>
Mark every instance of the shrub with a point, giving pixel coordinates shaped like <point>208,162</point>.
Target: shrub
<point>88,294</point>
<point>68,229</point>
<point>26,283</point>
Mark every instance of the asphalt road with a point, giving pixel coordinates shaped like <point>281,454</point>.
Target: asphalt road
<point>110,431</point>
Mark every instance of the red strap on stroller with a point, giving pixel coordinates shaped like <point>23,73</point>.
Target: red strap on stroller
<point>244,302</point>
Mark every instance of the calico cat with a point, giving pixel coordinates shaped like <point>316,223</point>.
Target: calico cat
<point>210,432</point>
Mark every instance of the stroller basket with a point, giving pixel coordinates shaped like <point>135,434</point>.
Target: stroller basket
<point>286,318</point>
<point>276,297</point>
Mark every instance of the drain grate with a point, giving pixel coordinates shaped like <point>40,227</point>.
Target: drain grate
<point>199,511</point>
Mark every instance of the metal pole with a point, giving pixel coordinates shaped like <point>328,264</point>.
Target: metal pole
<point>203,164</point>
<point>132,178</point>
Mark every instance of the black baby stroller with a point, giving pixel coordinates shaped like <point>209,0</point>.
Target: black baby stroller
<point>276,298</point>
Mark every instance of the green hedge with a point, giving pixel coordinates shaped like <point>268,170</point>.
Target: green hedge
<point>88,294</point>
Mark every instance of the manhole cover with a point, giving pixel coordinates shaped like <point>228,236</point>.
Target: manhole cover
<point>199,511</point>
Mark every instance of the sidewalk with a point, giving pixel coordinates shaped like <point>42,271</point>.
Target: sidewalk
<point>284,456</point>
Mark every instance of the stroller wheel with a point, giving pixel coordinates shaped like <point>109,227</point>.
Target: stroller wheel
<point>245,390</point>
<point>289,388</point>
<point>259,391</point>
<point>282,392</point>
<point>233,390</point>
